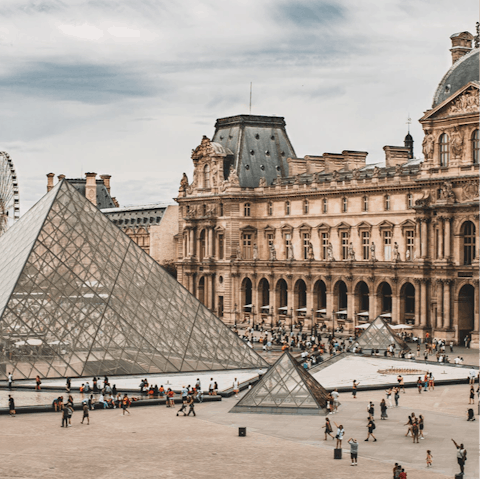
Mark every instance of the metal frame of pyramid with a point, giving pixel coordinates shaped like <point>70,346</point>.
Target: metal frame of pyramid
<point>79,298</point>
<point>379,335</point>
<point>286,388</point>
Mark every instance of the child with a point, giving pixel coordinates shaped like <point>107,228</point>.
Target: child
<point>429,458</point>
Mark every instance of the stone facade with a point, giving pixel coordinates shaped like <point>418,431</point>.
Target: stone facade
<point>334,239</point>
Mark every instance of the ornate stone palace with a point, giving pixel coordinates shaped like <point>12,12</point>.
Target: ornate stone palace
<point>267,237</point>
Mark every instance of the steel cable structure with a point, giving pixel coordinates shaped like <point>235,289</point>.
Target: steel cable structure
<point>9,198</point>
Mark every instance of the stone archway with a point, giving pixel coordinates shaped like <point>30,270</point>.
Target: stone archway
<point>362,301</point>
<point>466,311</point>
<point>247,295</point>
<point>201,290</point>
<point>384,298</point>
<point>320,299</point>
<point>264,296</point>
<point>407,304</point>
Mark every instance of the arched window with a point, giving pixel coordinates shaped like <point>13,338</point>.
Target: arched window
<point>409,200</point>
<point>468,242</point>
<point>287,207</point>
<point>220,209</point>
<point>444,150</point>
<point>365,203</point>
<point>325,205</point>
<point>387,202</point>
<point>204,208</point>
<point>344,204</point>
<point>246,209</point>
<point>270,208</point>
<point>206,176</point>
<point>476,147</point>
<point>305,207</point>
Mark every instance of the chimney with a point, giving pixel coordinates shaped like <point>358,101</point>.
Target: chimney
<point>106,181</point>
<point>461,45</point>
<point>396,155</point>
<point>91,188</point>
<point>61,177</point>
<point>50,177</point>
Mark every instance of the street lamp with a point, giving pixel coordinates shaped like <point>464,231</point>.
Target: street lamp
<point>291,320</point>
<point>235,316</point>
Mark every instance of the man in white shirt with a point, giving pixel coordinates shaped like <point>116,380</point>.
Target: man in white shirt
<point>472,374</point>
<point>335,396</point>
<point>211,387</point>
<point>236,387</point>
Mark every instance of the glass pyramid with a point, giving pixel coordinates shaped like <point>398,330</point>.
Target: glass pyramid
<point>79,298</point>
<point>379,335</point>
<point>286,388</point>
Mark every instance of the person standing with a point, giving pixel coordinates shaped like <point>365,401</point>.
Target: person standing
<point>353,450</point>
<point>371,427</point>
<point>335,396</point>
<point>38,381</point>
<point>371,409</point>
<point>388,392</point>
<point>10,380</point>
<point>419,385</point>
<point>68,385</point>
<point>383,410</point>
<point>11,406</point>
<point>396,396</point>
<point>472,395</point>
<point>85,413</point>
<point>354,389</point>
<point>211,387</point>
<point>65,416</point>
<point>401,384</point>
<point>472,374</point>
<point>236,387</point>
<point>421,425</point>
<point>403,474</point>
<point>339,435</point>
<point>415,431</point>
<point>461,456</point>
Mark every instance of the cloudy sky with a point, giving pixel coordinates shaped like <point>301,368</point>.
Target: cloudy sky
<point>128,87</point>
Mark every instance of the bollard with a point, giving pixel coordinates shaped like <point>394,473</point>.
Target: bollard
<point>242,431</point>
<point>337,453</point>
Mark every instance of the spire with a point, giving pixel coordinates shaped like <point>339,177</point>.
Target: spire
<point>408,142</point>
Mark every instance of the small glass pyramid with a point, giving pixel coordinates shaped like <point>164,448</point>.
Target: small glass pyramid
<point>79,298</point>
<point>286,388</point>
<point>379,335</point>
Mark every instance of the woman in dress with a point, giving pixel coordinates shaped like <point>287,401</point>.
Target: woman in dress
<point>421,425</point>
<point>472,395</point>
<point>328,428</point>
<point>383,410</point>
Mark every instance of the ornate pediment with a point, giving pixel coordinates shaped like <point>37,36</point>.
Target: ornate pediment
<point>324,227</point>
<point>386,225</point>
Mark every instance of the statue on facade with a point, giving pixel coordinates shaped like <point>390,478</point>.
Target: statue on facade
<point>428,145</point>
<point>447,191</point>
<point>372,252</point>
<point>310,253</point>
<point>335,175</point>
<point>273,253</point>
<point>398,169</point>
<point>255,251</point>
<point>233,177</point>
<point>407,255</point>
<point>351,252</point>
<point>356,174</point>
<point>262,182</point>
<point>184,182</point>
<point>395,253</point>
<point>239,253</point>
<point>330,252</point>
<point>376,172</point>
<point>456,143</point>
<point>290,252</point>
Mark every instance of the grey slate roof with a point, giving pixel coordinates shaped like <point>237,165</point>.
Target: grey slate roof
<point>260,146</point>
<point>104,200</point>
<point>464,70</point>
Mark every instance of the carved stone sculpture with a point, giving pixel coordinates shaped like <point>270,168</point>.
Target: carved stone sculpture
<point>310,252</point>
<point>255,251</point>
<point>351,252</point>
<point>262,182</point>
<point>273,253</point>
<point>456,143</point>
<point>330,252</point>
<point>290,255</point>
<point>233,177</point>
<point>428,145</point>
<point>184,182</point>
<point>395,253</point>
<point>239,253</point>
<point>372,252</point>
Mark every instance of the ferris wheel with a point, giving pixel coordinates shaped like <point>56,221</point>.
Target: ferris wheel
<point>9,199</point>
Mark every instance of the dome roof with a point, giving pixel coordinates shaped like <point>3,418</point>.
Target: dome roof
<point>220,150</point>
<point>464,70</point>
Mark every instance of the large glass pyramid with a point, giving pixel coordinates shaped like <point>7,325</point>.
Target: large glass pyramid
<point>286,388</point>
<point>79,298</point>
<point>379,335</point>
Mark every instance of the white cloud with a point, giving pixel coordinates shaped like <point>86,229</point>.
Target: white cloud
<point>85,31</point>
<point>123,32</point>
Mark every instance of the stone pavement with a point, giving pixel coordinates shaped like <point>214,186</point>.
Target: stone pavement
<point>154,443</point>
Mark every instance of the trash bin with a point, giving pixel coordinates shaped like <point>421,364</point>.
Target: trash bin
<point>242,431</point>
<point>337,453</point>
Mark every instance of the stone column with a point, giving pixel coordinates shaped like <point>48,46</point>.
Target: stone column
<point>210,242</point>
<point>417,250</point>
<point>447,240</point>
<point>330,299</point>
<point>439,322</point>
<point>310,304</point>
<point>395,302</point>
<point>351,305</point>
<point>423,302</point>
<point>417,302</point>
<point>256,309</point>
<point>372,304</point>
<point>290,301</point>
<point>475,306</point>
<point>424,238</point>
<point>191,242</point>
<point>273,301</point>
<point>446,304</point>
<point>440,238</point>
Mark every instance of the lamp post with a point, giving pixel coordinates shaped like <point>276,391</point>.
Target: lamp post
<point>311,331</point>
<point>291,320</point>
<point>235,316</point>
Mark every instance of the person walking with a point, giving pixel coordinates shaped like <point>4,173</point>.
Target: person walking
<point>388,392</point>
<point>11,406</point>
<point>236,387</point>
<point>383,410</point>
<point>65,416</point>
<point>125,404</point>
<point>419,385</point>
<point>353,451</point>
<point>339,435</point>
<point>184,405</point>
<point>328,428</point>
<point>396,396</point>
<point>371,427</point>
<point>191,405</point>
<point>354,389</point>
<point>471,400</point>
<point>431,382</point>
<point>429,458</point>
<point>421,425</point>
<point>401,383</point>
<point>415,431</point>
<point>409,423</point>
<point>68,385</point>
<point>85,413</point>
<point>461,456</point>
<point>38,381</point>
<point>10,380</point>
<point>335,396</point>
<point>371,409</point>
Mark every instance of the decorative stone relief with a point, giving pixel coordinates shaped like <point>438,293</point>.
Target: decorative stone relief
<point>470,191</point>
<point>466,103</point>
<point>428,145</point>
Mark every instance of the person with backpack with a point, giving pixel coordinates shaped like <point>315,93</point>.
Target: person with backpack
<point>125,404</point>
<point>371,427</point>
<point>461,456</point>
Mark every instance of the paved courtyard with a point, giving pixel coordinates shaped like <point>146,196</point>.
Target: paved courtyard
<point>153,442</point>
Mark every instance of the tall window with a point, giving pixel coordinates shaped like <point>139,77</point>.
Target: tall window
<point>288,242</point>
<point>344,204</point>
<point>325,205</point>
<point>246,209</point>
<point>305,207</point>
<point>247,246</point>
<point>270,239</point>
<point>306,242</point>
<point>437,243</point>
<point>221,246</point>
<point>387,245</point>
<point>287,207</point>
<point>409,200</point>
<point>387,202</point>
<point>324,237</point>
<point>410,244</point>
<point>476,147</point>
<point>206,176</point>
<point>270,208</point>
<point>468,242</point>
<point>444,150</point>
<point>365,203</point>
<point>220,209</point>
<point>344,245</point>
<point>366,244</point>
